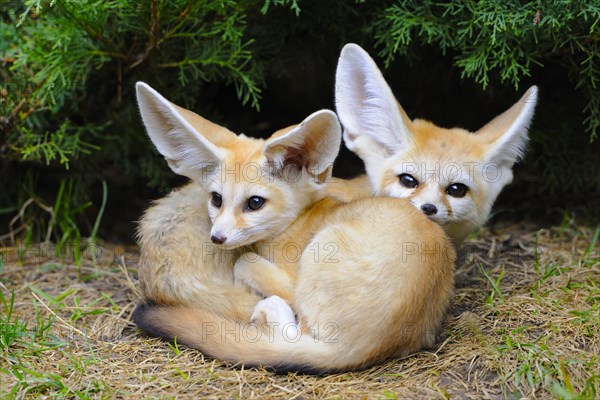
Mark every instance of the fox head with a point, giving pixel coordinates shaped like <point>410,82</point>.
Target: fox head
<point>452,175</point>
<point>252,189</point>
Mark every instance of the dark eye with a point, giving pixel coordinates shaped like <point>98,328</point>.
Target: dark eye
<point>216,199</point>
<point>408,181</point>
<point>255,203</point>
<point>457,190</point>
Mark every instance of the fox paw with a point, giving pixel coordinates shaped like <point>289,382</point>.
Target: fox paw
<point>274,310</point>
<point>242,271</point>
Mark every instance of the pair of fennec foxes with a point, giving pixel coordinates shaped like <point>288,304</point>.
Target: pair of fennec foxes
<point>366,265</point>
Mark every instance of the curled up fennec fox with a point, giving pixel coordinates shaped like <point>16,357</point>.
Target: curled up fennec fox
<point>451,175</point>
<point>368,280</point>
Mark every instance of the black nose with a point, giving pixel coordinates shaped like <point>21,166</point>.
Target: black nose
<point>428,209</point>
<point>218,239</point>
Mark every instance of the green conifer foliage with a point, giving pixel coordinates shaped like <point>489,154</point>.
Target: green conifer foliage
<point>503,39</point>
<point>68,116</point>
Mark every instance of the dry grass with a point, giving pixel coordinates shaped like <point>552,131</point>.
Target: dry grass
<point>524,323</point>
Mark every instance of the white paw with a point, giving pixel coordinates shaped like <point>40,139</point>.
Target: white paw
<point>273,310</point>
<point>241,272</point>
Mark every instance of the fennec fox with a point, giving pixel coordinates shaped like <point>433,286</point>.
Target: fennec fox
<point>259,207</point>
<point>451,175</point>
<point>238,195</point>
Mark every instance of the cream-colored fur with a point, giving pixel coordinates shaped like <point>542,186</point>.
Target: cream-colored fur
<point>368,279</point>
<point>378,130</point>
<point>179,263</point>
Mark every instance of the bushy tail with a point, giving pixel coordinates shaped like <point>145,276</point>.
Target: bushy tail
<point>247,344</point>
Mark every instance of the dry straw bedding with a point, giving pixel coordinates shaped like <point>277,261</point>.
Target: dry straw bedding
<point>537,335</point>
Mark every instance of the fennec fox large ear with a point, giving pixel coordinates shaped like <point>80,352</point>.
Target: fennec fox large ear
<point>507,133</point>
<point>181,136</point>
<point>313,144</point>
<point>374,122</point>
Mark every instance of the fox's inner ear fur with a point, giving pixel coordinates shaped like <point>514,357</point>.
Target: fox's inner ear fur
<point>313,144</point>
<point>507,133</point>
<point>367,107</point>
<point>181,136</point>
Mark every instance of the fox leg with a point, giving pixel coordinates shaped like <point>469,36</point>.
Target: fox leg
<point>262,276</point>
